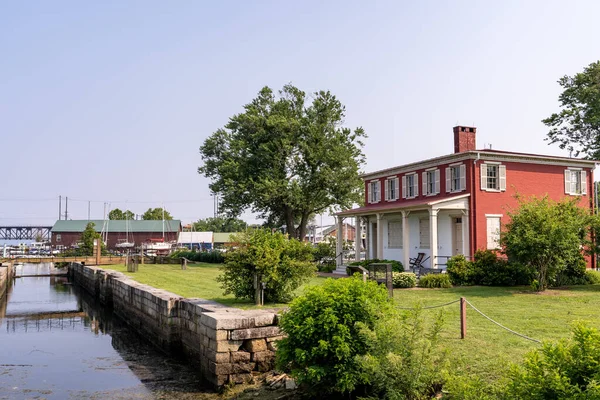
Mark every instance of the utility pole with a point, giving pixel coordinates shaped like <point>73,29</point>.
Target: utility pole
<point>59,207</point>
<point>66,208</point>
<point>89,202</point>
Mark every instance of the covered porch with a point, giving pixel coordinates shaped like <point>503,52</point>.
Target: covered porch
<point>437,228</point>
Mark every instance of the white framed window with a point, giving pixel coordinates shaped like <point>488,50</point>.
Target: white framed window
<point>431,182</point>
<point>575,181</point>
<point>410,186</point>
<point>493,177</point>
<point>392,189</point>
<point>456,178</point>
<point>424,233</point>
<point>394,234</point>
<point>493,231</point>
<point>374,192</point>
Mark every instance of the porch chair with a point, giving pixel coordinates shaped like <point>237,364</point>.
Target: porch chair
<point>417,263</point>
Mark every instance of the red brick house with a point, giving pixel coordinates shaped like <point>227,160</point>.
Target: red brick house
<point>457,204</point>
<point>67,233</point>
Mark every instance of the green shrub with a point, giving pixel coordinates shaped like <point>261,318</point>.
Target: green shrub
<point>435,281</point>
<point>592,277</point>
<point>460,387</point>
<point>212,257</point>
<point>283,264</point>
<point>568,369</point>
<point>396,265</point>
<point>404,359</point>
<point>323,336</point>
<point>459,270</point>
<point>404,279</point>
<point>324,255</point>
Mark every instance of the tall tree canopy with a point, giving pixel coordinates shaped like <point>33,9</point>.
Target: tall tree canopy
<point>577,126</point>
<point>220,224</point>
<point>285,159</point>
<point>117,214</point>
<point>156,214</point>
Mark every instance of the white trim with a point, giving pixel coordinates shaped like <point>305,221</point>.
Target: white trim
<point>456,164</point>
<point>431,169</point>
<point>494,215</point>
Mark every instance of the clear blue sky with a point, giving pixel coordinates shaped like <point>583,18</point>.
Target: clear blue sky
<point>111,100</point>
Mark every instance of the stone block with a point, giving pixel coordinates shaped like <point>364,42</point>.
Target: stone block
<point>220,369</point>
<point>261,356</point>
<point>243,367</point>
<point>225,320</point>
<point>220,358</point>
<point>240,356</point>
<point>218,334</point>
<point>272,346</point>
<point>255,333</point>
<point>222,346</point>
<point>259,317</point>
<point>255,345</point>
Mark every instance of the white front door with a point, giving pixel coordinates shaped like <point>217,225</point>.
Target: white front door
<point>457,240</point>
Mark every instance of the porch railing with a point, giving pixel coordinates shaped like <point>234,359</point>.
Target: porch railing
<point>442,261</point>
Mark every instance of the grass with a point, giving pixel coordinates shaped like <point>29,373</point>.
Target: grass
<point>488,350</point>
<point>198,280</point>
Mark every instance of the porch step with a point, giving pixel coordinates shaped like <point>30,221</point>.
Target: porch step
<point>341,270</point>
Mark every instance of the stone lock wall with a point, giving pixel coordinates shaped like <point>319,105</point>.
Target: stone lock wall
<point>6,274</point>
<point>227,344</point>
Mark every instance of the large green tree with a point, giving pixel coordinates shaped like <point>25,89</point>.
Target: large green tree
<point>577,126</point>
<point>220,224</point>
<point>286,158</point>
<point>117,214</point>
<point>156,214</point>
<point>88,236</point>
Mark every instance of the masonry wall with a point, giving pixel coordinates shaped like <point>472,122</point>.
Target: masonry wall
<point>227,344</point>
<point>6,274</point>
<point>525,179</point>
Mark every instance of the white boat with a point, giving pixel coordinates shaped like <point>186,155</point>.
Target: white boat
<point>125,244</point>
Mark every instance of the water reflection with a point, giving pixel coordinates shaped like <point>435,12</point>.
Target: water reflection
<point>56,342</point>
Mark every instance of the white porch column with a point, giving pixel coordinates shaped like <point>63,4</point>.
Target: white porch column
<point>379,236</point>
<point>465,233</point>
<point>405,239</point>
<point>339,259</point>
<point>357,237</point>
<point>433,236</point>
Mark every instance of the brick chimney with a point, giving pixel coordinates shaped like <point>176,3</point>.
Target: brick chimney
<point>464,138</point>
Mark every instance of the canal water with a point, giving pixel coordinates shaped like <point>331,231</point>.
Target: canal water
<point>56,342</point>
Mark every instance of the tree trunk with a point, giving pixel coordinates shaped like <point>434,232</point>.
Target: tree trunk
<point>289,222</point>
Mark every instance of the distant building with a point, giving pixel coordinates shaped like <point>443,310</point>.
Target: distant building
<point>348,232</point>
<point>196,240</point>
<point>67,233</point>
<point>223,239</point>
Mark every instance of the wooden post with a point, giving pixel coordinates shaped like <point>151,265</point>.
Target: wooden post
<point>257,290</point>
<point>463,318</point>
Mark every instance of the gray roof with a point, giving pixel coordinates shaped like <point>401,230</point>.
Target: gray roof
<point>117,226</point>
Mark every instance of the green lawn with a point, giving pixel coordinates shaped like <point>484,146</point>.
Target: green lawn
<point>198,280</point>
<point>488,349</point>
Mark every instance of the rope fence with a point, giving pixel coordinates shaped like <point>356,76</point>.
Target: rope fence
<point>463,318</point>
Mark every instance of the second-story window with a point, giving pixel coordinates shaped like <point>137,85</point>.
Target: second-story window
<point>575,181</point>
<point>456,178</point>
<point>493,177</point>
<point>410,186</point>
<point>375,192</point>
<point>431,182</point>
<point>392,189</point>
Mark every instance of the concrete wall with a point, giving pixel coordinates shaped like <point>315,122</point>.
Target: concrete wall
<point>227,344</point>
<point>6,273</point>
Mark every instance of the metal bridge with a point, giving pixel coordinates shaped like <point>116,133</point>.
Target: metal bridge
<point>41,233</point>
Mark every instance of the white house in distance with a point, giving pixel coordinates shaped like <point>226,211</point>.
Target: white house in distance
<point>196,240</point>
